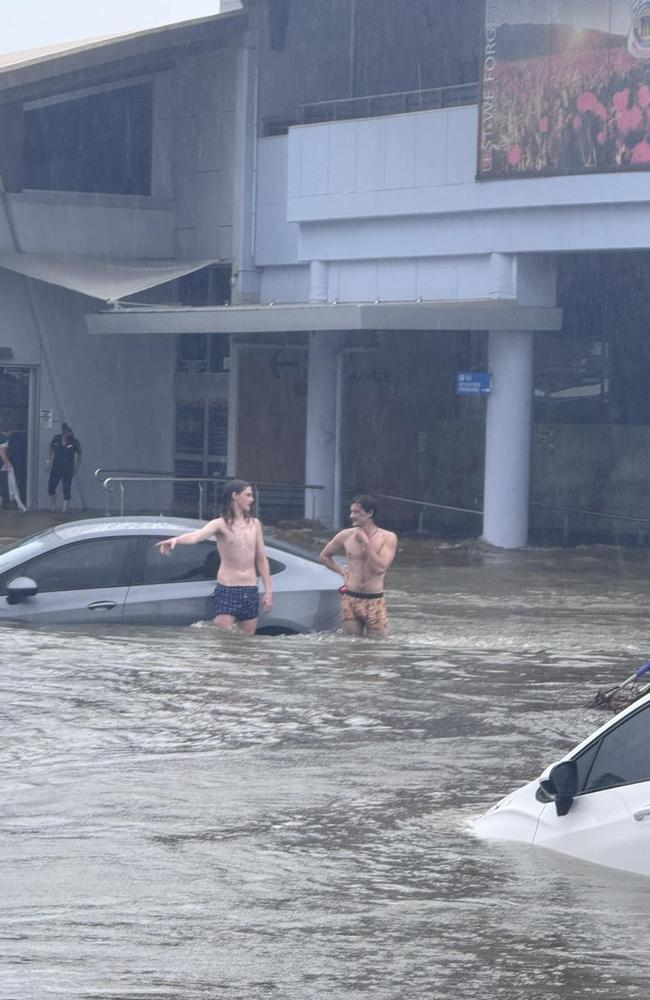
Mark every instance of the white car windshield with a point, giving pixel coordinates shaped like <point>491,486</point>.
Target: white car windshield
<point>23,549</point>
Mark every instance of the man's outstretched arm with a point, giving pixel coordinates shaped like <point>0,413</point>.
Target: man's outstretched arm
<point>209,530</point>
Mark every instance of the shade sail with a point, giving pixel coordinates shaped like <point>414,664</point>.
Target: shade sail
<point>99,278</point>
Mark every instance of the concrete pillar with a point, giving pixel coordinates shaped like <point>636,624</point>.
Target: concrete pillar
<point>233,409</point>
<point>508,439</point>
<point>323,444</point>
<point>318,281</point>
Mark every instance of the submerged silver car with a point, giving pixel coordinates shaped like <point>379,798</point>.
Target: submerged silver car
<point>109,570</point>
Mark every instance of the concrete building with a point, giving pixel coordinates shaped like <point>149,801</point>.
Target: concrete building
<point>257,244</point>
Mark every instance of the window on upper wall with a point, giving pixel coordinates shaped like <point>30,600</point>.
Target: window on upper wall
<point>98,143</point>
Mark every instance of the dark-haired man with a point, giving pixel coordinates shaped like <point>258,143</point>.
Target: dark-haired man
<point>242,554</point>
<point>370,550</point>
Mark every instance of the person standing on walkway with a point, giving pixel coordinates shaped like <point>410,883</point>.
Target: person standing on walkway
<point>64,460</point>
<point>370,550</point>
<point>13,455</point>
<point>240,542</point>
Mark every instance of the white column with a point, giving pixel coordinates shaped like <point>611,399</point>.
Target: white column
<point>508,439</point>
<point>323,444</point>
<point>233,409</point>
<point>318,281</point>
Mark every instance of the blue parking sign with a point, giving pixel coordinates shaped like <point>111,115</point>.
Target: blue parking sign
<point>473,383</point>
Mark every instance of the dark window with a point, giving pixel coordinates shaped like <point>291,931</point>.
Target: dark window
<point>187,563</point>
<point>218,427</point>
<point>209,286</point>
<point>99,143</point>
<point>89,565</point>
<point>198,352</point>
<point>622,756</point>
<point>190,419</point>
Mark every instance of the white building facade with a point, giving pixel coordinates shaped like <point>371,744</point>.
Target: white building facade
<point>342,264</point>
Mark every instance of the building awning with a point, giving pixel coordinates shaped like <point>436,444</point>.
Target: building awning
<point>480,314</point>
<point>99,278</point>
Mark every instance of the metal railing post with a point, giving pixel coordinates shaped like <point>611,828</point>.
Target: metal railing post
<point>200,501</point>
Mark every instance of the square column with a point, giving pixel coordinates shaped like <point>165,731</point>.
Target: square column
<point>323,440</point>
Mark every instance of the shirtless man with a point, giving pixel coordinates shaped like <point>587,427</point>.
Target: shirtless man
<point>241,549</point>
<point>370,551</point>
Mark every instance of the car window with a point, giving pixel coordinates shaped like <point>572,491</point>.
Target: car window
<point>623,754</point>
<point>187,563</point>
<point>86,565</point>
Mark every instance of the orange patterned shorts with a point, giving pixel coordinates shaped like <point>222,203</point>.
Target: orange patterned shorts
<point>370,611</point>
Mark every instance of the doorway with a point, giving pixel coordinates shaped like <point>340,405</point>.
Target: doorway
<point>16,384</point>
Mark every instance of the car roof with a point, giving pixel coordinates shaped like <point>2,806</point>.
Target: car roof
<point>152,525</point>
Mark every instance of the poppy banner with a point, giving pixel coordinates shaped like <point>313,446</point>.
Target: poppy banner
<point>565,87</point>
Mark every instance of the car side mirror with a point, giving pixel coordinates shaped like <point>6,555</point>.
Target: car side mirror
<point>561,785</point>
<point>21,588</point>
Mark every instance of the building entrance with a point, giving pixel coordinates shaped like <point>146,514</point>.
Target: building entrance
<point>15,409</point>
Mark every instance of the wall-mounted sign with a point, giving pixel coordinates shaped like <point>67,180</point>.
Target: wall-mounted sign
<point>565,87</point>
<point>47,419</point>
<point>473,383</point>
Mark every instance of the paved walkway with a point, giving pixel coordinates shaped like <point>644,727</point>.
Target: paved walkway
<point>14,524</point>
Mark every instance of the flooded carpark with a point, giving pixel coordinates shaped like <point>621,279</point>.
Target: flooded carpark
<point>196,815</point>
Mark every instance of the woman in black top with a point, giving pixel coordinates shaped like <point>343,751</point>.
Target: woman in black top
<point>65,456</point>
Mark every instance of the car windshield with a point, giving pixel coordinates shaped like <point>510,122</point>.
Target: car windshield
<point>23,549</point>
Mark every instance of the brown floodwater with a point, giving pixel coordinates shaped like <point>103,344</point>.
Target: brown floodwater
<point>189,815</point>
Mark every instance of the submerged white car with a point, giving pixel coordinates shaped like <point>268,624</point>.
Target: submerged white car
<point>594,804</point>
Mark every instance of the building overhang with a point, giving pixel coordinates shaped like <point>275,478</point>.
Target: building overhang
<point>480,314</point>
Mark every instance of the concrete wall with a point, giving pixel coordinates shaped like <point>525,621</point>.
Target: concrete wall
<point>92,225</point>
<point>201,107</point>
<point>115,393</point>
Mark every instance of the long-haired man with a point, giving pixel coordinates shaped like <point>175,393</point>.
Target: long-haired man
<point>242,554</point>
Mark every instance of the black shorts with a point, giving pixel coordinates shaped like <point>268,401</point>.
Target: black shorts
<point>242,603</point>
<point>57,477</point>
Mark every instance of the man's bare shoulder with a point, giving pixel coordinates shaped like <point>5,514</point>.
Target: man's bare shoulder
<point>215,526</point>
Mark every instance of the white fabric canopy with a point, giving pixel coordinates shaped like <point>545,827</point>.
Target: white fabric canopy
<point>103,279</point>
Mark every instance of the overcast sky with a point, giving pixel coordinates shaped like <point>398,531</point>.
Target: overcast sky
<point>32,24</point>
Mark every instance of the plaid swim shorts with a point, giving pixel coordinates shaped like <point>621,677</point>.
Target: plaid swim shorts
<point>242,603</point>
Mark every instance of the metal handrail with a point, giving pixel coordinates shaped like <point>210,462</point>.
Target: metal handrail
<point>533,503</point>
<point>121,480</point>
<point>431,98</point>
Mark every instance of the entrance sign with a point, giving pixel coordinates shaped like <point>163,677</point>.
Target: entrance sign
<point>473,383</point>
<point>565,88</point>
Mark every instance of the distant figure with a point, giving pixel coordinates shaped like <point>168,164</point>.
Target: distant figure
<point>13,454</point>
<point>64,460</point>
<point>4,485</point>
<point>240,543</point>
<point>370,551</point>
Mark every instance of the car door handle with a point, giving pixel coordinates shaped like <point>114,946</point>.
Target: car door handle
<point>102,605</point>
<point>642,814</point>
